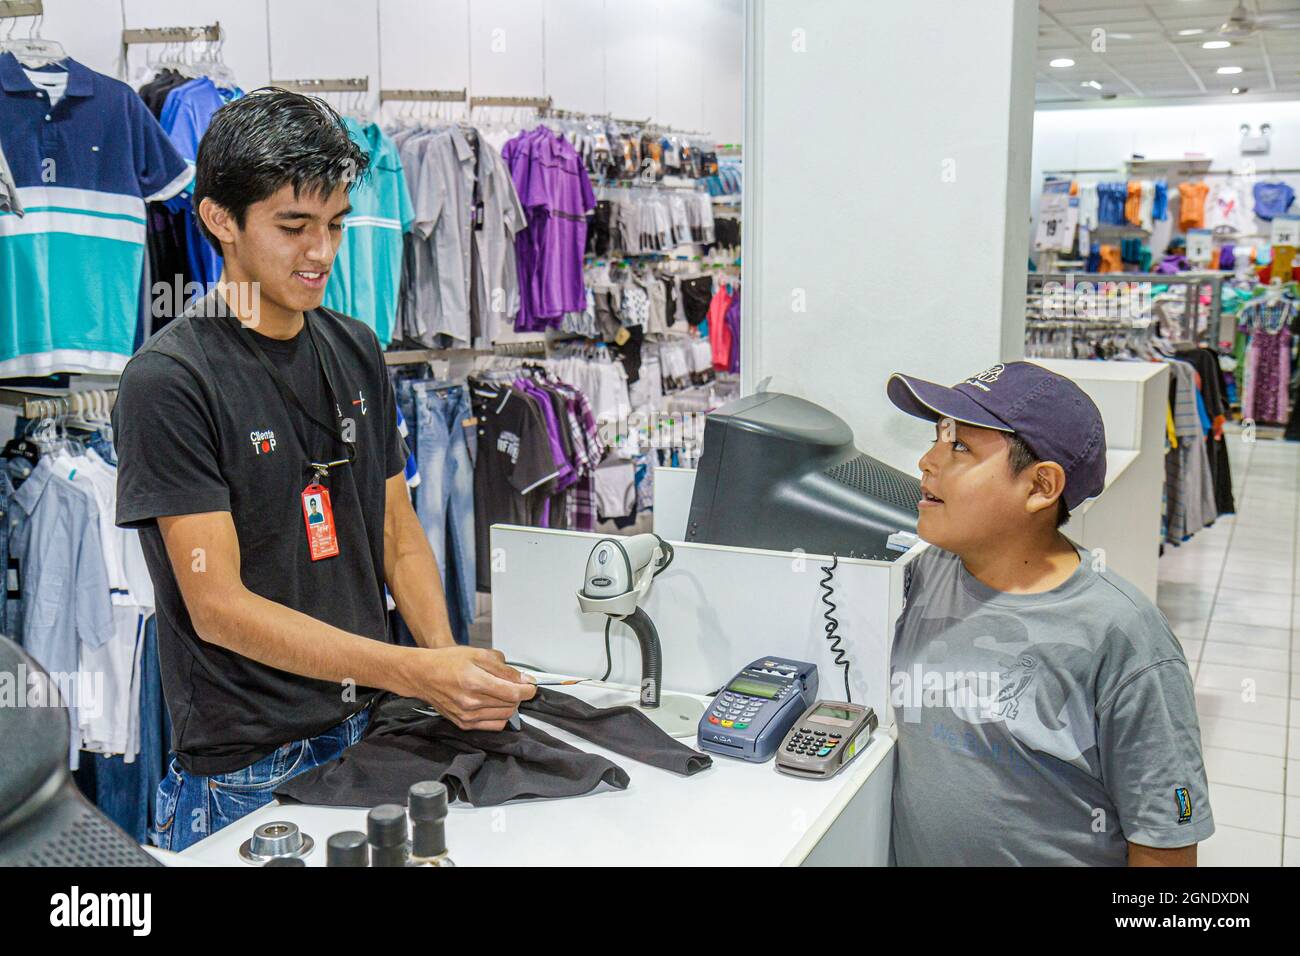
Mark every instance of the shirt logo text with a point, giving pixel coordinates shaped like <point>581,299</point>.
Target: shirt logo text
<point>508,442</point>
<point>263,442</point>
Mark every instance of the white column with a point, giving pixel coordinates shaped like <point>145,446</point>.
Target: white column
<point>886,190</point>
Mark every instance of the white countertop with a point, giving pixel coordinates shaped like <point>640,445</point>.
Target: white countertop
<point>735,812</point>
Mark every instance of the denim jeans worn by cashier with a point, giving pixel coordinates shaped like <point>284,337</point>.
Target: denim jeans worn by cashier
<point>444,501</point>
<point>191,807</point>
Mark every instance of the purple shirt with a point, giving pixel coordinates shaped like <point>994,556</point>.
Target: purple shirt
<point>556,194</point>
<point>732,318</point>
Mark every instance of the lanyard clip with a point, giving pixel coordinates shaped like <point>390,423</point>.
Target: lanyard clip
<point>322,468</point>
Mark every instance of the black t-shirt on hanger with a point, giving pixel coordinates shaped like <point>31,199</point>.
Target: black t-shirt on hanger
<point>514,462</point>
<point>200,426</point>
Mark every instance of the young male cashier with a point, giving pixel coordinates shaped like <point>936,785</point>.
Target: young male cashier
<point>1044,709</point>
<point>229,421</point>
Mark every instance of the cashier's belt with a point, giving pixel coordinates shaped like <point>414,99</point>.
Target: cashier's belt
<point>484,767</point>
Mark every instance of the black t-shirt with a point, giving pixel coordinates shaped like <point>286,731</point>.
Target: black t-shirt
<point>200,426</point>
<point>514,468</point>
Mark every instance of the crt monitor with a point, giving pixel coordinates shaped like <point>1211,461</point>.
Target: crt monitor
<point>782,473</point>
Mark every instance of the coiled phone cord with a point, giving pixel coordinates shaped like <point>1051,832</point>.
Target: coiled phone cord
<point>832,625</point>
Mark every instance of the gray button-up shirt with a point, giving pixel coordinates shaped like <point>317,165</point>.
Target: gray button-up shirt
<point>63,578</point>
<point>459,281</point>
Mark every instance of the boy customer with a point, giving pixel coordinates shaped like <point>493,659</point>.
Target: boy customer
<point>1044,708</point>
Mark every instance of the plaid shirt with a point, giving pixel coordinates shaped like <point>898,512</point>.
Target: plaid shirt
<point>580,498</point>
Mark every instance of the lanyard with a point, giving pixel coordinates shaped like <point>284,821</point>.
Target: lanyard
<point>290,397</point>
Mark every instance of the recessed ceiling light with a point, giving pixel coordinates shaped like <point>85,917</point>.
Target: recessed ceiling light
<point>1228,70</point>
<point>1238,89</point>
<point>1093,83</point>
<point>1061,63</point>
<point>1194,31</point>
<point>1215,45</point>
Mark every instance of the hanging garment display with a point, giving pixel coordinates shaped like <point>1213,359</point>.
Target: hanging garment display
<point>9,201</point>
<point>1268,323</point>
<point>1272,199</point>
<point>459,278</point>
<point>185,116</point>
<point>1224,209</point>
<point>91,222</point>
<point>1191,209</point>
<point>556,194</point>
<point>366,276</point>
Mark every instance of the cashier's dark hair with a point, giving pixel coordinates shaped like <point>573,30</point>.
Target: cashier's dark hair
<point>1020,457</point>
<point>259,143</point>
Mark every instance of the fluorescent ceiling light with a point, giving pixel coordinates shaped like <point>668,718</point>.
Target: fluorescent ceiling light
<point>1120,36</point>
<point>1061,63</point>
<point>1194,31</point>
<point>1228,70</point>
<point>1215,45</point>
<point>1093,83</point>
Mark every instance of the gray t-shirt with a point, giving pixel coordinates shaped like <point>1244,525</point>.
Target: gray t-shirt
<point>1040,729</point>
<point>8,191</point>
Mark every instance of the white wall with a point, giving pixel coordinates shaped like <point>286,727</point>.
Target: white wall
<point>1104,137</point>
<point>674,61</point>
<point>886,200</point>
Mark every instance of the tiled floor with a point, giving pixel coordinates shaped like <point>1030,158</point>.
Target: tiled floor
<point>1229,594</point>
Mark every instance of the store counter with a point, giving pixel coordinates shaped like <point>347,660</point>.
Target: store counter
<point>735,813</point>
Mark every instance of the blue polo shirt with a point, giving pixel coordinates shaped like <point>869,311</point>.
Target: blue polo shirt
<point>367,271</point>
<point>71,268</point>
<point>186,115</point>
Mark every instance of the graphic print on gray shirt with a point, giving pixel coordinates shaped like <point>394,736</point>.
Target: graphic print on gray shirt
<point>1040,729</point>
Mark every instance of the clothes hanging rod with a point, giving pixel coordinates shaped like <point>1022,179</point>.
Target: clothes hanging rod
<point>21,8</point>
<point>37,405</point>
<point>558,113</point>
<point>1182,172</point>
<point>536,102</point>
<point>422,96</point>
<point>416,356</point>
<point>356,84</point>
<point>171,34</point>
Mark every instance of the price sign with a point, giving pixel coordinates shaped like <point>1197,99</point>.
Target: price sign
<point>1286,230</point>
<point>1200,245</point>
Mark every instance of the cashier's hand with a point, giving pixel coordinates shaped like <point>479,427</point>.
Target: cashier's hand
<point>471,686</point>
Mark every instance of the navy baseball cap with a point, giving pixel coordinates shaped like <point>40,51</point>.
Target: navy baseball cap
<point>1050,414</point>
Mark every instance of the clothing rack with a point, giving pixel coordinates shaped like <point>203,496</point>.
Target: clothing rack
<point>537,347</point>
<point>536,102</point>
<point>21,8</point>
<point>422,96</point>
<point>210,33</point>
<point>1272,171</point>
<point>55,406</point>
<point>356,84</point>
<point>419,356</point>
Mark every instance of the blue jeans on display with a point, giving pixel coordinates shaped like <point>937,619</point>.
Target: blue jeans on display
<point>127,792</point>
<point>404,388</point>
<point>444,499</point>
<point>191,806</point>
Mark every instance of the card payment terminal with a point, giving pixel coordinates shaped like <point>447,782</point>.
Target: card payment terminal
<point>825,738</point>
<point>750,716</point>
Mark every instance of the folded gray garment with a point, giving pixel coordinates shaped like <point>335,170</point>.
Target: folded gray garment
<point>486,768</point>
